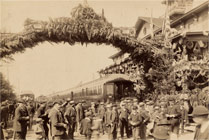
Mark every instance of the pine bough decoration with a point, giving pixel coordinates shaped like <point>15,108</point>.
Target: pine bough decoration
<point>84,26</point>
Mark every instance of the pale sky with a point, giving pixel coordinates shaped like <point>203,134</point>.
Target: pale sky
<point>54,67</point>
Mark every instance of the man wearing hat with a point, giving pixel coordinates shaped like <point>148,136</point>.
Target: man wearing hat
<point>156,116</point>
<point>20,121</point>
<point>41,113</point>
<point>174,115</point>
<point>58,125</point>
<point>123,120</point>
<point>145,120</point>
<point>4,113</point>
<point>109,122</point>
<point>70,118</point>
<point>114,119</point>
<point>200,116</point>
<point>79,114</point>
<point>135,120</point>
<point>86,126</point>
<point>101,112</point>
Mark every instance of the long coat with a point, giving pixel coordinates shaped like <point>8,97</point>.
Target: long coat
<point>57,122</point>
<point>20,120</point>
<point>86,125</point>
<point>79,113</point>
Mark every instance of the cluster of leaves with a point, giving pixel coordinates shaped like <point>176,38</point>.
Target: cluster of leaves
<point>6,91</point>
<point>158,74</point>
<point>161,71</point>
<point>85,26</point>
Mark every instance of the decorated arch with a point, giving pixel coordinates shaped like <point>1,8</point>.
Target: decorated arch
<point>83,26</point>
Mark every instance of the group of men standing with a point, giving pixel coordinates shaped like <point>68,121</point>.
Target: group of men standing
<point>60,119</point>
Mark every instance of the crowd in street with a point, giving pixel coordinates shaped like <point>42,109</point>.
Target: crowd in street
<point>129,118</point>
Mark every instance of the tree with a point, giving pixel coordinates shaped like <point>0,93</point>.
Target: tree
<point>157,75</point>
<point>6,91</point>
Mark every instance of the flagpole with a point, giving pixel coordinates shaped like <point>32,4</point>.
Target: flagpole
<point>152,26</point>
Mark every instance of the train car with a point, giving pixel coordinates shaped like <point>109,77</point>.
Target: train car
<point>111,87</point>
<point>29,96</point>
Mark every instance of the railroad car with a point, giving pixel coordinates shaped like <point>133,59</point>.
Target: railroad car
<point>111,87</point>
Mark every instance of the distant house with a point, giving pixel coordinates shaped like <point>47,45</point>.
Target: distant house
<point>143,27</point>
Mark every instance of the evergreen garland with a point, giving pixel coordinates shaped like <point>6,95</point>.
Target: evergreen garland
<point>85,26</point>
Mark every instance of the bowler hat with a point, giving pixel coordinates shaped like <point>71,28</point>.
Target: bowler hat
<point>20,100</point>
<point>57,101</point>
<point>68,99</point>
<point>141,104</point>
<point>157,107</point>
<point>109,105</point>
<point>72,102</point>
<point>200,110</point>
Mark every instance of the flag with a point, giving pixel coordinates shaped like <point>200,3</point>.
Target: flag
<point>151,26</point>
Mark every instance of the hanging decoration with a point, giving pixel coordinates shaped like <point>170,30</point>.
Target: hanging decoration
<point>84,26</point>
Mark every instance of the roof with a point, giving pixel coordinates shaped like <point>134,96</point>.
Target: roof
<point>186,16</point>
<point>156,21</point>
<point>203,35</point>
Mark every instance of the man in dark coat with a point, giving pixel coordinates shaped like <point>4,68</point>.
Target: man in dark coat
<point>174,115</point>
<point>86,126</point>
<point>20,121</point>
<point>135,120</point>
<point>79,114</point>
<point>4,113</point>
<point>31,112</point>
<point>70,118</point>
<point>11,110</point>
<point>145,120</point>
<point>101,112</point>
<point>123,118</point>
<point>200,116</point>
<point>58,125</point>
<point>41,114</point>
<point>111,121</point>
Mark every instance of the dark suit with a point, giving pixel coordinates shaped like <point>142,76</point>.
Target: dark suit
<point>70,117</point>
<point>85,128</point>
<point>20,122</point>
<point>41,113</point>
<point>57,124</point>
<point>143,127</point>
<point>79,115</point>
<point>123,117</point>
<point>111,121</point>
<point>175,121</point>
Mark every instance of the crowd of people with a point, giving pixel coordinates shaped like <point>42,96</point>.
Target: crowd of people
<point>61,119</point>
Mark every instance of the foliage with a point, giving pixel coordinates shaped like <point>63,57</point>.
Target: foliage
<point>84,26</point>
<point>6,91</point>
<point>163,73</point>
<point>157,74</point>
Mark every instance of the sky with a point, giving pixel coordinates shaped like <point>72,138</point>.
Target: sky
<point>49,68</point>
